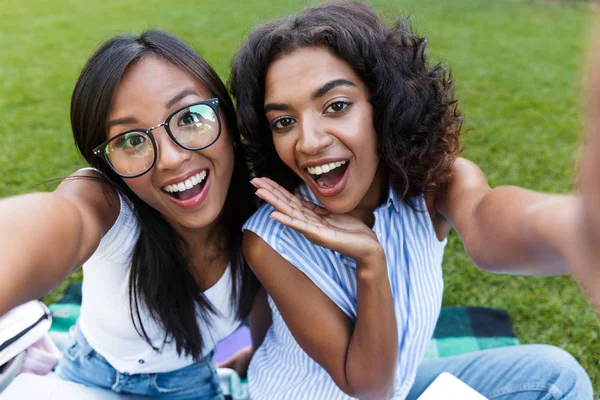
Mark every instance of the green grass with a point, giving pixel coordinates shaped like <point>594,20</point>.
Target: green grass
<point>517,67</point>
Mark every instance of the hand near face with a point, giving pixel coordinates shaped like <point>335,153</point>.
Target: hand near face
<point>339,232</point>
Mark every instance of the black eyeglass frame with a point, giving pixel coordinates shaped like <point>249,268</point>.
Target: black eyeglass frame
<point>212,103</point>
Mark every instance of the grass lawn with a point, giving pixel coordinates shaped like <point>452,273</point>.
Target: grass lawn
<point>517,67</point>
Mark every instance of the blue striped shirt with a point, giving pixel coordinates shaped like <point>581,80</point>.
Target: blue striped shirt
<point>280,369</point>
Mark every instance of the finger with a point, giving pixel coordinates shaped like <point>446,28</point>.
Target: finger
<point>227,364</point>
<point>281,205</point>
<point>304,227</point>
<point>315,208</point>
<point>277,190</point>
<point>281,191</point>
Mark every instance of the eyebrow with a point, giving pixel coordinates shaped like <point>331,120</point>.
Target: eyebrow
<point>179,96</point>
<point>121,121</point>
<point>170,103</point>
<point>320,92</point>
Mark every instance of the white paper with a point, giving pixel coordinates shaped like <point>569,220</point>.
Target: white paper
<point>448,387</point>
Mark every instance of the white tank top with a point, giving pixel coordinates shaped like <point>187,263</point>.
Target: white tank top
<point>105,318</point>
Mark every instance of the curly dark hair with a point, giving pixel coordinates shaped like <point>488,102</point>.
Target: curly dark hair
<point>415,114</point>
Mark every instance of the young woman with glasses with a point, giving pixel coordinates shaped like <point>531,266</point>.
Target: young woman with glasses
<point>346,113</point>
<point>155,222</point>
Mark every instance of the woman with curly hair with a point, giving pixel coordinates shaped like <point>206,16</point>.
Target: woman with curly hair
<point>347,113</point>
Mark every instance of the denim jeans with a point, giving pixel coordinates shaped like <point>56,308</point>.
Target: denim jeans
<point>524,372</point>
<point>82,364</point>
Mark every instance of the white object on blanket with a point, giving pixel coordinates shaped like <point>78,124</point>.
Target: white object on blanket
<point>49,387</point>
<point>21,327</point>
<point>448,387</point>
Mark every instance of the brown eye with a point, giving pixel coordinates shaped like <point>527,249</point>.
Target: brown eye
<point>282,123</point>
<point>336,106</point>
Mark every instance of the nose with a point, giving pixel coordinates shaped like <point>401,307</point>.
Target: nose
<point>313,137</point>
<point>170,155</point>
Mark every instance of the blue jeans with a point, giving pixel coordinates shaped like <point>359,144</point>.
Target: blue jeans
<point>82,364</point>
<point>524,372</point>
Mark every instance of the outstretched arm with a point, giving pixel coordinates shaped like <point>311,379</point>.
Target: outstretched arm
<point>360,357</point>
<point>586,267</point>
<point>509,229</point>
<point>46,236</point>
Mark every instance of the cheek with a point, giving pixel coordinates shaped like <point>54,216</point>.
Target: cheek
<point>284,146</point>
<point>142,188</point>
<point>223,158</point>
<point>369,144</point>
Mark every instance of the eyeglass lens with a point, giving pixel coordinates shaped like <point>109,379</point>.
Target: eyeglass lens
<point>193,128</point>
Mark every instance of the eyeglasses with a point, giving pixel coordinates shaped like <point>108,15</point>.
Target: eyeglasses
<point>133,153</point>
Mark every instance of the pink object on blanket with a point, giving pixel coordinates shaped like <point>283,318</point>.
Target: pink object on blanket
<point>41,357</point>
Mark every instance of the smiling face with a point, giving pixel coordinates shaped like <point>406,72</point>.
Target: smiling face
<point>322,126</point>
<point>188,188</point>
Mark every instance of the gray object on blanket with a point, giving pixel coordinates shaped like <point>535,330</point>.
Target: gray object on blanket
<point>10,370</point>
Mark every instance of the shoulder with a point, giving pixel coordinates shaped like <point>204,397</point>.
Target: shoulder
<point>93,195</point>
<point>467,182</point>
<point>466,173</point>
<point>466,177</point>
<point>270,233</point>
<point>256,250</point>
<point>261,219</point>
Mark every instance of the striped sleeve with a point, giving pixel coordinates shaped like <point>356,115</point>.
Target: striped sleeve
<point>317,263</point>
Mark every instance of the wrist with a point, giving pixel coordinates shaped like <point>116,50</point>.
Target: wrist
<point>372,264</point>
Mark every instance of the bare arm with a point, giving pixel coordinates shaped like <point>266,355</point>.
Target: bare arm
<point>259,319</point>
<point>509,229</point>
<point>46,236</point>
<point>586,265</point>
<point>360,357</point>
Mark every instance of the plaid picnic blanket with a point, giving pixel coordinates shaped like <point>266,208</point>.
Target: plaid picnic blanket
<point>462,330</point>
<point>459,330</point>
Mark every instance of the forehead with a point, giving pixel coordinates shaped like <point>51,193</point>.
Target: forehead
<point>304,70</point>
<point>152,80</point>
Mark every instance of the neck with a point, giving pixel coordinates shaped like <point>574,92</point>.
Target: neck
<point>206,251</point>
<point>203,239</point>
<point>374,197</point>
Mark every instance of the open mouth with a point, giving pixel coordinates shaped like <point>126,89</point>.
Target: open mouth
<point>328,175</point>
<point>188,188</point>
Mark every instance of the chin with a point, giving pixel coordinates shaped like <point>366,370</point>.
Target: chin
<point>338,205</point>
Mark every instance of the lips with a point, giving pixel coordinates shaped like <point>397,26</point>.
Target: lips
<point>329,179</point>
<point>188,187</point>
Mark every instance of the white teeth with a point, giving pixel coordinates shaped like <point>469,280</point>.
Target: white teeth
<point>325,168</point>
<point>187,184</point>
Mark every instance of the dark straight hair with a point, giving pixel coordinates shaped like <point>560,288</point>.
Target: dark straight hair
<point>160,279</point>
